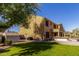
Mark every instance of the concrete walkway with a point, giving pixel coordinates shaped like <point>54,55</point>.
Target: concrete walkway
<point>72,43</point>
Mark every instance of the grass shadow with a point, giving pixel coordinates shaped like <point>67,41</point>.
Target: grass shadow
<point>29,49</point>
<point>3,50</point>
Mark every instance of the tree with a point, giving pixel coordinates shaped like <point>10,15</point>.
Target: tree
<point>17,14</point>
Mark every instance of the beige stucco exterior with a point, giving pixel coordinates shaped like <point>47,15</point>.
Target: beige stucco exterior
<point>37,27</point>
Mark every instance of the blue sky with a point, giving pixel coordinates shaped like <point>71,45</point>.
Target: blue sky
<point>67,14</point>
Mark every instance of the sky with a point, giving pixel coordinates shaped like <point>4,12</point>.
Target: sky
<point>65,13</point>
<point>13,28</point>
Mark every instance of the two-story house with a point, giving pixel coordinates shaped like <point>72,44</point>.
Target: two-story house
<point>39,27</point>
<point>42,28</point>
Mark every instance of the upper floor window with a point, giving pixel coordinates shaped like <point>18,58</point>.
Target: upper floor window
<point>47,23</point>
<point>55,26</point>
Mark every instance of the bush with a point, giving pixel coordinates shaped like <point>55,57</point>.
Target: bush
<point>22,37</point>
<point>30,38</point>
<point>9,42</point>
<point>37,38</point>
<point>78,40</point>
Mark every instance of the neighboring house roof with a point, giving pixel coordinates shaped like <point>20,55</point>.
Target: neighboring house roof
<point>12,34</point>
<point>61,27</point>
<point>9,34</point>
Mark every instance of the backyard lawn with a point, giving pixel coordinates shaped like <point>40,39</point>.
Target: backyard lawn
<point>41,49</point>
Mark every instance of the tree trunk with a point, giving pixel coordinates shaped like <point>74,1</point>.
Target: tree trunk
<point>4,38</point>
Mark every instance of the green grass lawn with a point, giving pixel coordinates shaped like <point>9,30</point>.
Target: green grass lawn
<point>41,49</point>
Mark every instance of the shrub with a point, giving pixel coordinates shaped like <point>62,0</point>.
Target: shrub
<point>30,38</point>
<point>9,42</point>
<point>37,38</point>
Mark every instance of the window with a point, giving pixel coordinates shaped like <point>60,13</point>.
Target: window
<point>47,23</point>
<point>55,26</point>
<point>56,34</point>
<point>47,34</point>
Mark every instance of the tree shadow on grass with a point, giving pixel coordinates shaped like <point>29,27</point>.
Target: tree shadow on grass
<point>3,50</point>
<point>33,48</point>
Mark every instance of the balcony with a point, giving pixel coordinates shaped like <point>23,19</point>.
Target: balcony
<point>55,30</point>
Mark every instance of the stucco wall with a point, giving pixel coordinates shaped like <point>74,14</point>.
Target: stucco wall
<point>37,24</point>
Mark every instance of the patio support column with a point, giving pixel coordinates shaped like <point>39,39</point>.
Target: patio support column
<point>58,34</point>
